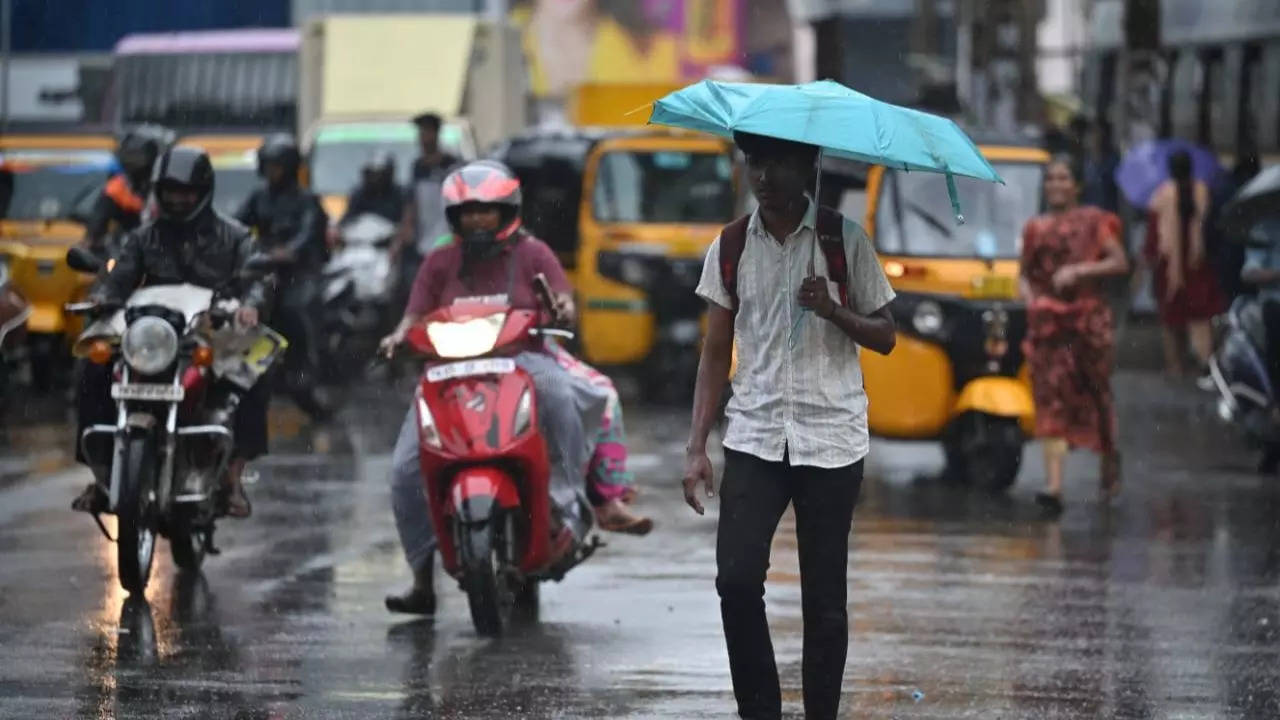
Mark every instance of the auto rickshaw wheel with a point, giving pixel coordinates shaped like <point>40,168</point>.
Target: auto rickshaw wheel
<point>984,451</point>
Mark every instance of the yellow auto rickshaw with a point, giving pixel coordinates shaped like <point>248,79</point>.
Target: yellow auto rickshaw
<point>631,213</point>
<point>957,373</point>
<point>45,181</point>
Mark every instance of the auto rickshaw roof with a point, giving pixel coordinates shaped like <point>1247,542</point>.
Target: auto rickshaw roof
<point>575,143</point>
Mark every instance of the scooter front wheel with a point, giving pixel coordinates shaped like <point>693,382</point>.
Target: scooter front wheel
<point>491,587</point>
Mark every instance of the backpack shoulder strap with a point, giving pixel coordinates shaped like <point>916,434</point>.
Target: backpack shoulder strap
<point>733,239</point>
<point>830,226</point>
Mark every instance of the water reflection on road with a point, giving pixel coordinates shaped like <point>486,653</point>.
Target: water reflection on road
<point>962,605</point>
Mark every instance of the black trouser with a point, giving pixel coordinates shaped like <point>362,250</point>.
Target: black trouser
<point>95,407</point>
<point>294,317</point>
<point>753,496</point>
<point>1271,320</point>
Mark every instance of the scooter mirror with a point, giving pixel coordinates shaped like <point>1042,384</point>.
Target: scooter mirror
<point>83,260</point>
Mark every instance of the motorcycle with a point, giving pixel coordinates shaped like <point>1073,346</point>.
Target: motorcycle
<point>14,311</point>
<point>485,463</point>
<point>180,367</point>
<point>1238,368</point>
<point>357,295</point>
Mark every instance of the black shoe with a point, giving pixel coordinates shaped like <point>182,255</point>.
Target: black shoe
<point>418,601</point>
<point>1050,503</point>
<point>91,500</point>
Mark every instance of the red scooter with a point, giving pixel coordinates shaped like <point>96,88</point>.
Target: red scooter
<point>485,459</point>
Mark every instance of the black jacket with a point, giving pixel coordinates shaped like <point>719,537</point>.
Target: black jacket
<point>210,252</point>
<point>288,218</point>
<point>388,203</point>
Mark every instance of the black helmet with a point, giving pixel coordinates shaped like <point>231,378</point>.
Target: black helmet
<point>183,167</point>
<point>140,145</point>
<point>279,148</point>
<point>382,161</point>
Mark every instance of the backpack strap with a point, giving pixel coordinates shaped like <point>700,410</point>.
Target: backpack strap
<point>733,239</point>
<point>830,228</point>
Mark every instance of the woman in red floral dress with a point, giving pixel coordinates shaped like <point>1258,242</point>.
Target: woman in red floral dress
<point>1070,345</point>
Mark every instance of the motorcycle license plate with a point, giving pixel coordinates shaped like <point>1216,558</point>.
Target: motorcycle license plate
<point>487,366</point>
<point>147,392</point>
<point>995,286</point>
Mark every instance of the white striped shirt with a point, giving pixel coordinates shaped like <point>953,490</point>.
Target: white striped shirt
<point>798,389</point>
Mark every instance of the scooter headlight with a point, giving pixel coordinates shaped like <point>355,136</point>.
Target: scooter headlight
<point>524,414</point>
<point>928,318</point>
<point>150,344</point>
<point>427,424</point>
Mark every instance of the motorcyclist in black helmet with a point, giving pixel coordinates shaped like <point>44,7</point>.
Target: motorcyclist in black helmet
<point>188,242</point>
<point>122,200</point>
<point>377,192</point>
<point>291,224</point>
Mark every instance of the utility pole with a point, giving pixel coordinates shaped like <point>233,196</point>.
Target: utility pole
<point>6,19</point>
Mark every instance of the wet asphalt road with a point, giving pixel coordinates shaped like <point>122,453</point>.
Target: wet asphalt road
<point>1168,605</point>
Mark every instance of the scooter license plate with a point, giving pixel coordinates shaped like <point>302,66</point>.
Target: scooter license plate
<point>466,368</point>
<point>147,392</point>
<point>995,286</point>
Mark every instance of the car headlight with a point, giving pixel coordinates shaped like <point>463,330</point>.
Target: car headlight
<point>427,424</point>
<point>524,414</point>
<point>928,318</point>
<point>150,345</point>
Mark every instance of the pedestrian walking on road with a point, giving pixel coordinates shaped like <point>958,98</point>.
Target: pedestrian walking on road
<point>800,289</point>
<point>1185,283</point>
<point>1070,343</point>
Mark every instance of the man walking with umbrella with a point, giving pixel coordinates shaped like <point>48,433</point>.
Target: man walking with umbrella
<point>797,429</point>
<point>800,289</point>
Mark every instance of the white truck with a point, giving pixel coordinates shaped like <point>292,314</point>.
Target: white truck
<point>363,76</point>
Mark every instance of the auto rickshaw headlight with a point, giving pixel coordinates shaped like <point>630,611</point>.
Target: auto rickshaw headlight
<point>928,318</point>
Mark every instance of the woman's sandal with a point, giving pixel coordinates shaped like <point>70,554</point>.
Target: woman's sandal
<point>1050,503</point>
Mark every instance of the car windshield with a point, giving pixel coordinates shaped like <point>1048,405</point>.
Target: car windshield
<point>39,189</point>
<point>339,153</point>
<point>913,216</point>
<point>664,187</point>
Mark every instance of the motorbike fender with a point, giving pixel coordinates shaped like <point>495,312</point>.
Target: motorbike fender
<point>1002,396</point>
<point>477,492</point>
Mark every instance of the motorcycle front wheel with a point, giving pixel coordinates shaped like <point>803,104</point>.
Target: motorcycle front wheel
<point>136,527</point>
<point>187,542</point>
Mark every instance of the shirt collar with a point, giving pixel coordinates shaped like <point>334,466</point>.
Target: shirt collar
<point>809,221</point>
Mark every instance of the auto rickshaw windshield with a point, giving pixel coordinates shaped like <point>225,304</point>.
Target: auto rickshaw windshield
<point>665,186</point>
<point>46,192</point>
<point>910,221</point>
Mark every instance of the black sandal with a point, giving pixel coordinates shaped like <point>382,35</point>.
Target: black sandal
<point>1050,503</point>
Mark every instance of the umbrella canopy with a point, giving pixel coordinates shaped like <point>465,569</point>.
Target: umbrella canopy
<point>842,122</point>
<point>1260,197</point>
<point>1146,166</point>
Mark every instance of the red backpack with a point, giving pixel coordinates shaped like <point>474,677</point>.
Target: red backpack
<point>830,226</point>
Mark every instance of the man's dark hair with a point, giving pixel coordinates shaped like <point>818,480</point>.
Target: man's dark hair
<point>765,146</point>
<point>1073,162</point>
<point>428,120</point>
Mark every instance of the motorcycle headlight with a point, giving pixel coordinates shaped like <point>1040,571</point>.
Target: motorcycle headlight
<point>524,414</point>
<point>928,318</point>
<point>150,345</point>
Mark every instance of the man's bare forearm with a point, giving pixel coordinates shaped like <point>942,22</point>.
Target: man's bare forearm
<point>713,373</point>
<point>877,332</point>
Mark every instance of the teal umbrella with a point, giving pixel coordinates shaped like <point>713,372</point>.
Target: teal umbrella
<point>842,122</point>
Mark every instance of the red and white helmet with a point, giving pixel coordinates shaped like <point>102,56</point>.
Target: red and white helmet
<point>486,182</point>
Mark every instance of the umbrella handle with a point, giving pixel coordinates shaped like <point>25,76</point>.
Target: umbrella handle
<point>955,198</point>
